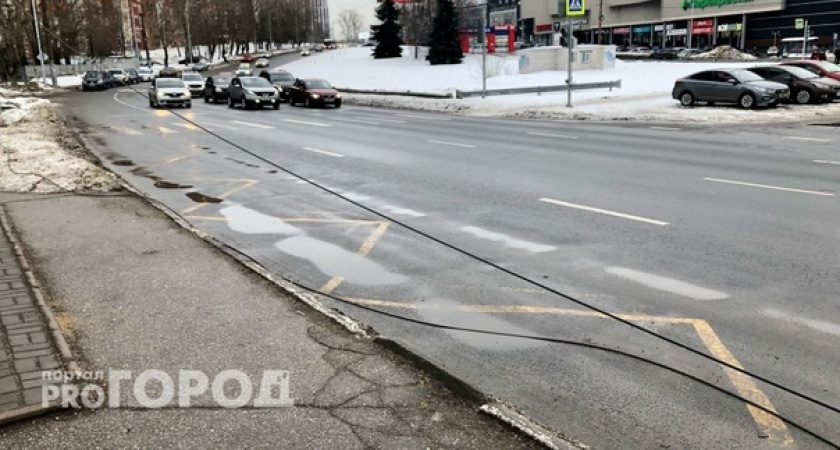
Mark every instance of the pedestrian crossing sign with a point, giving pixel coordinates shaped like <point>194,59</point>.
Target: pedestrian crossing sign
<point>575,7</point>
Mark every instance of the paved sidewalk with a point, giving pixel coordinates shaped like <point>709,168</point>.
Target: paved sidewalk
<point>135,291</point>
<point>26,347</point>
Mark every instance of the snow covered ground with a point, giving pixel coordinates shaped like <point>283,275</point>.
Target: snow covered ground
<point>39,154</point>
<point>645,94</point>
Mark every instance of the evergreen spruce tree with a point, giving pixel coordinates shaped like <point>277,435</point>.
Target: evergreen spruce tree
<point>387,34</point>
<point>444,42</point>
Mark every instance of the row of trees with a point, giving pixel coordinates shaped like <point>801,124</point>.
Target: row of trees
<point>421,24</point>
<point>97,28</point>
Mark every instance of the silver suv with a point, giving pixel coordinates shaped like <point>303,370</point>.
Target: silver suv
<point>251,92</point>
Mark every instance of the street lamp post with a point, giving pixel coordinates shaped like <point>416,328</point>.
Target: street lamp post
<point>189,38</point>
<point>38,38</point>
<point>690,25</point>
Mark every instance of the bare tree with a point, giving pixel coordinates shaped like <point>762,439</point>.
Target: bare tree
<point>350,23</point>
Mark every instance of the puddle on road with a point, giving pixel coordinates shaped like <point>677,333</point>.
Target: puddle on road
<point>201,198</point>
<point>163,184</point>
<point>272,171</point>
<point>123,162</point>
<point>335,261</point>
<point>446,312</point>
<point>248,221</point>
<point>144,172</point>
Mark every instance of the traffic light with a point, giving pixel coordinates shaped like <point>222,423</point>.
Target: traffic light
<point>565,39</point>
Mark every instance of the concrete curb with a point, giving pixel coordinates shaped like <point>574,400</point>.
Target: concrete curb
<point>488,405</point>
<point>65,354</point>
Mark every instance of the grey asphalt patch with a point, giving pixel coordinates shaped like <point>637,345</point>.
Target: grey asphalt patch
<point>143,293</point>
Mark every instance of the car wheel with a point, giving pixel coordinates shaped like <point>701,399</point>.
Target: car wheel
<point>230,102</point>
<point>687,99</point>
<point>308,103</point>
<point>151,103</point>
<point>746,101</point>
<point>244,103</point>
<point>188,105</point>
<point>291,101</point>
<point>206,98</point>
<point>803,96</point>
<point>276,106</point>
<point>338,104</point>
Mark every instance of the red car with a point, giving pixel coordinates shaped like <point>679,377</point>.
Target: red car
<point>313,93</point>
<point>248,58</point>
<point>821,68</point>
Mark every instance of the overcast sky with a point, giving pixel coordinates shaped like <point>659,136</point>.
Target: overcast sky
<point>364,7</point>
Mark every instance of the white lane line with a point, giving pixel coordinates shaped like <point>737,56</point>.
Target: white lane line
<point>381,119</point>
<point>454,144</point>
<point>818,325</point>
<point>255,125</point>
<point>403,211</point>
<point>165,130</point>
<point>127,131</point>
<point>411,116</point>
<point>809,139</point>
<point>217,125</point>
<point>558,136</point>
<point>822,161</point>
<point>667,284</point>
<point>366,122</point>
<point>130,105</point>
<point>765,186</point>
<point>323,152</point>
<point>508,241</point>
<point>303,122</point>
<point>604,211</point>
<point>188,126</point>
<point>665,128</point>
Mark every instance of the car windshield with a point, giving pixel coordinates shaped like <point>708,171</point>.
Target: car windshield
<point>745,76</point>
<point>245,66</point>
<point>192,77</point>
<point>799,72</point>
<point>255,82</point>
<point>92,75</point>
<point>279,77</point>
<point>318,84</point>
<point>144,70</point>
<point>169,83</point>
<point>831,67</point>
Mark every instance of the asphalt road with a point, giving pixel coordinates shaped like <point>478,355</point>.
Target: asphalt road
<point>724,239</point>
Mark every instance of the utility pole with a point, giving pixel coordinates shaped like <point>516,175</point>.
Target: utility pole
<point>189,38</point>
<point>483,52</point>
<point>38,38</point>
<point>600,21</point>
<point>690,26</point>
<point>569,39</point>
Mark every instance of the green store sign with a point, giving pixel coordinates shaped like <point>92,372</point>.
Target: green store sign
<point>703,4</point>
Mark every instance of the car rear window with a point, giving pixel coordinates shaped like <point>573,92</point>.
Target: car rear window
<point>255,82</point>
<point>318,84</point>
<point>192,77</point>
<point>169,83</point>
<point>279,77</point>
<point>91,74</point>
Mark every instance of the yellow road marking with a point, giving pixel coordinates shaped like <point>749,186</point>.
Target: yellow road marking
<point>377,234</point>
<point>246,184</point>
<point>332,285</point>
<point>774,427</point>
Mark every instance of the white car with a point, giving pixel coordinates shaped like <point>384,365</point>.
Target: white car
<point>244,70</point>
<point>194,82</point>
<point>120,76</point>
<point>305,52</point>
<point>261,63</point>
<point>169,92</point>
<point>145,73</point>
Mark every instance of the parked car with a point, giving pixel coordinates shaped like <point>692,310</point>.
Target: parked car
<point>805,86</point>
<point>150,63</point>
<point>773,51</point>
<point>145,73</point>
<point>687,53</point>
<point>216,88</point>
<point>248,58</point>
<point>663,54</point>
<point>133,76</point>
<point>244,70</point>
<point>319,48</point>
<point>169,92</point>
<point>194,82</point>
<point>304,52</point>
<point>313,92</point>
<point>281,79</point>
<point>168,72</point>
<point>201,66</point>
<point>189,60</point>
<point>821,68</point>
<point>249,92</point>
<point>97,80</point>
<point>738,86</point>
<point>476,48</point>
<point>261,63</point>
<point>120,76</point>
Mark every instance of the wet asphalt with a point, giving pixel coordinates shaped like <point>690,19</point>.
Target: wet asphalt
<point>722,238</point>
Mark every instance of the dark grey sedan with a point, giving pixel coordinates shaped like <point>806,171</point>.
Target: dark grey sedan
<point>739,86</point>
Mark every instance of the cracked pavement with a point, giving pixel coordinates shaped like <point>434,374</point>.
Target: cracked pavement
<point>134,291</point>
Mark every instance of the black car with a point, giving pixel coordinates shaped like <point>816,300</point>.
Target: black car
<point>169,72</point>
<point>216,88</point>
<point>97,80</point>
<point>133,76</point>
<point>664,54</point>
<point>188,60</point>
<point>805,86</point>
<point>281,79</point>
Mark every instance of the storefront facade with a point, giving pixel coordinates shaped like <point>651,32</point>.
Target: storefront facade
<point>743,24</point>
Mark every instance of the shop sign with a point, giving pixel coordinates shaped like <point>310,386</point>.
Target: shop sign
<point>625,30</point>
<point>677,32</point>
<point>659,28</point>
<point>703,4</point>
<point>729,27</point>
<point>642,29</point>
<point>543,28</point>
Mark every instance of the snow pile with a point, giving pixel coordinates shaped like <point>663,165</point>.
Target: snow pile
<point>725,52</point>
<point>39,153</point>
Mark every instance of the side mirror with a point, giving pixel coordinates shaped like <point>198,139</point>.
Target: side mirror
<point>733,81</point>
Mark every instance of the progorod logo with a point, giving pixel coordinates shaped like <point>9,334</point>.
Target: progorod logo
<point>158,389</point>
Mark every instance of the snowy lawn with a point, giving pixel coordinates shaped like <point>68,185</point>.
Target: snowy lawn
<point>645,94</point>
<point>39,154</point>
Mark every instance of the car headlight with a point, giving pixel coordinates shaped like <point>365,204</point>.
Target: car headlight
<point>337,95</point>
<point>218,89</point>
<point>822,86</point>
<point>315,96</point>
<point>187,93</point>
<point>764,90</point>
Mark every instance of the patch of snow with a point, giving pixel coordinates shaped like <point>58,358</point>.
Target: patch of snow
<point>39,154</point>
<point>725,52</point>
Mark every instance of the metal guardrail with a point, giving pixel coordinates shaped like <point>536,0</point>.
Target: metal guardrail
<point>395,93</point>
<point>540,89</point>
